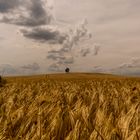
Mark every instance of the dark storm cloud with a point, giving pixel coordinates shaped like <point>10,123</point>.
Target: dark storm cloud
<point>38,15</point>
<point>8,5</point>
<point>44,35</point>
<point>33,67</point>
<point>30,13</point>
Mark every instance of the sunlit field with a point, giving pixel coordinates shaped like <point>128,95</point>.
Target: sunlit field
<point>70,107</point>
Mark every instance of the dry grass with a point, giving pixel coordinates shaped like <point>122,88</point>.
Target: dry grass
<point>70,107</point>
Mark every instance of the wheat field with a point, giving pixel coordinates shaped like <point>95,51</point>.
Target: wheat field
<point>70,107</point>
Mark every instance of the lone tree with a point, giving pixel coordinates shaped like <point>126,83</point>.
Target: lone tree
<point>67,70</point>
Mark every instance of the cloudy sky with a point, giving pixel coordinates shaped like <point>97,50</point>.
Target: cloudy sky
<point>45,36</point>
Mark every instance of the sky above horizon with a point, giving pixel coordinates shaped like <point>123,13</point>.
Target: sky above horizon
<point>46,36</point>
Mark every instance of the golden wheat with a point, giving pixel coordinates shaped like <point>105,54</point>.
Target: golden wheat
<point>47,108</point>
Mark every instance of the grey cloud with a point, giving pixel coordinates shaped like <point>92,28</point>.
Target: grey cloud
<point>134,63</point>
<point>99,69</point>
<point>121,70</point>
<point>66,60</point>
<point>85,52</point>
<point>30,13</point>
<point>134,73</point>
<point>55,57</point>
<point>127,65</point>
<point>38,15</point>
<point>7,69</point>
<point>34,13</point>
<point>8,5</point>
<point>61,59</point>
<point>128,68</point>
<point>45,35</point>
<point>69,60</point>
<point>54,68</point>
<point>65,56</point>
<point>33,67</point>
<point>54,51</point>
<point>38,11</point>
<point>96,50</point>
